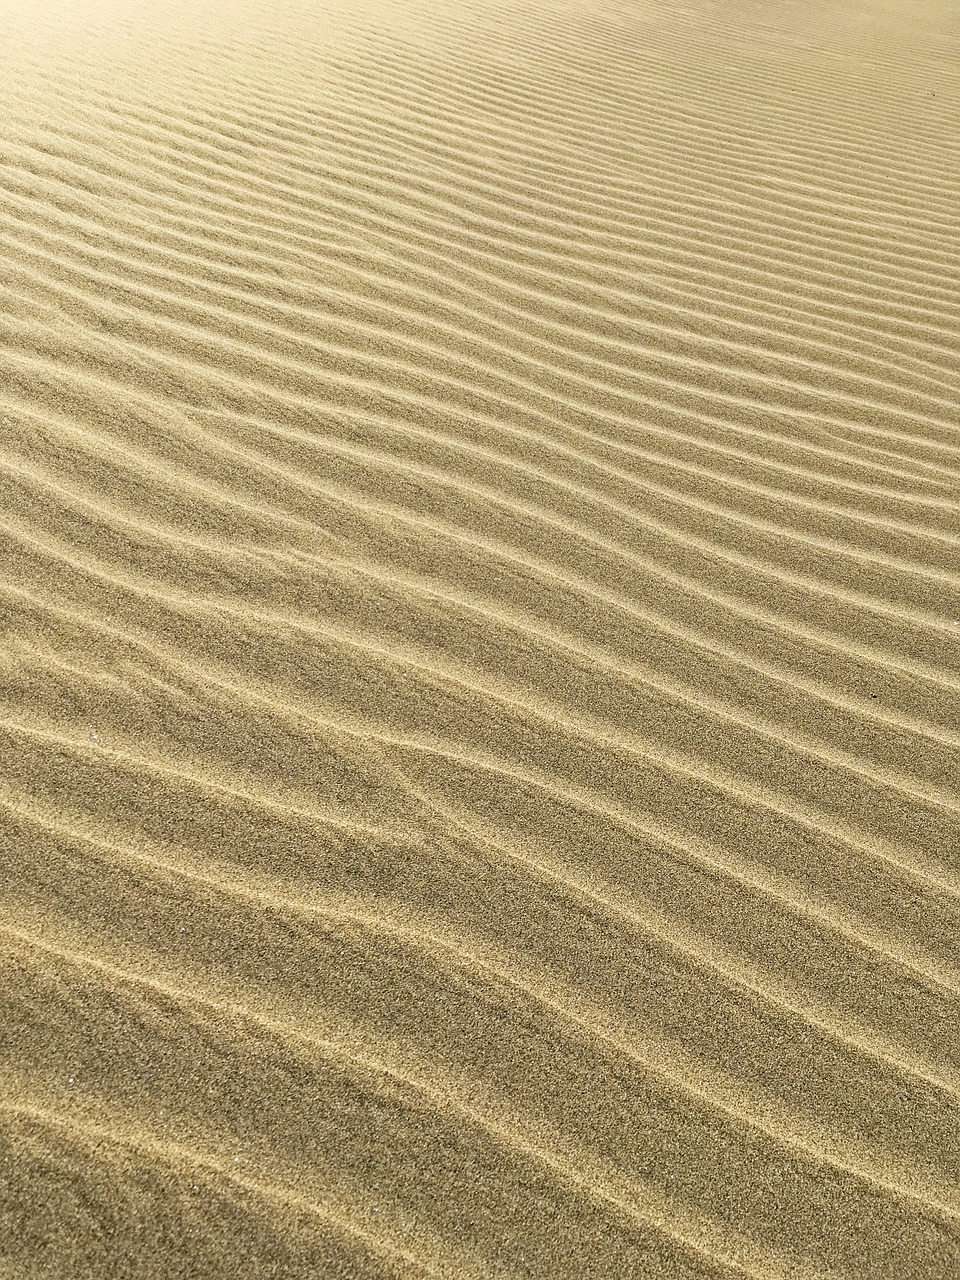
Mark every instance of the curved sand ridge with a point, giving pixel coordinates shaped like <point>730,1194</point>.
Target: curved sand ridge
<point>480,646</point>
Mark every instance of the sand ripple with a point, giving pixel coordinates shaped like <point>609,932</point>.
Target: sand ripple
<point>480,639</point>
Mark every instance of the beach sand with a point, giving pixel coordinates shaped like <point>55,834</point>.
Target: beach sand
<point>480,639</point>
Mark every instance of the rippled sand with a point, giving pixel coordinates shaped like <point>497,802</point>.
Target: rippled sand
<point>480,639</point>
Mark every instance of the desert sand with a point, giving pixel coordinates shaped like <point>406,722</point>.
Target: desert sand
<point>480,646</point>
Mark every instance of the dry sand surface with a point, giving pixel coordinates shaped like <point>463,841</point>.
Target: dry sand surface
<point>480,639</point>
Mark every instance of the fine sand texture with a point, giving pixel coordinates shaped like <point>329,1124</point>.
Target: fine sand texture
<point>479,639</point>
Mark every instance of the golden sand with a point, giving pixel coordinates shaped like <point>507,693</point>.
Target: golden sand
<point>480,639</point>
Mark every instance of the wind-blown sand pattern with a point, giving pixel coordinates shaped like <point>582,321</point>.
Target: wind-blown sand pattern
<point>480,650</point>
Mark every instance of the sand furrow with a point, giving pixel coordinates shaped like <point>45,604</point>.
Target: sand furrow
<point>479,640</point>
<point>598,303</point>
<point>193,235</point>
<point>818,1040</point>
<point>209,144</point>
<point>370,210</point>
<point>934,652</point>
<point>56,554</point>
<point>671,1072</point>
<point>178,280</point>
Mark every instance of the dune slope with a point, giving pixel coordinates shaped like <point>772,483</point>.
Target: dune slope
<point>480,639</point>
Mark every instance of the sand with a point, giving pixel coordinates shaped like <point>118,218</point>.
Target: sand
<point>480,639</point>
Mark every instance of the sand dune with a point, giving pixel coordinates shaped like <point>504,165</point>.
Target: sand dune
<point>480,650</point>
